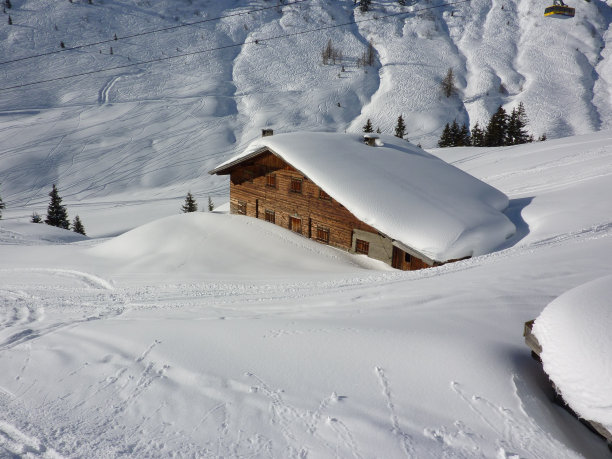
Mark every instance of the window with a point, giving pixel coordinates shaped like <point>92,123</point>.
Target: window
<point>362,246</point>
<point>271,180</point>
<point>407,258</point>
<point>241,208</point>
<point>270,216</point>
<point>296,185</point>
<point>323,234</point>
<point>323,195</point>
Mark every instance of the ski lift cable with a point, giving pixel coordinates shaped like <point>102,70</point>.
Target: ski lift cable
<point>149,32</point>
<point>233,45</point>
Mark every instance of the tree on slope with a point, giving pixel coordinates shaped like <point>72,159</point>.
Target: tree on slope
<point>517,134</point>
<point>2,206</point>
<point>400,127</point>
<point>56,212</point>
<point>448,83</point>
<point>368,126</point>
<point>497,129</point>
<point>364,5</point>
<point>478,136</point>
<point>190,204</point>
<point>445,139</point>
<point>77,226</point>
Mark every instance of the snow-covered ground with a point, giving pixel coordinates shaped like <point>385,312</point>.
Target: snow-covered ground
<point>211,335</point>
<point>222,336</point>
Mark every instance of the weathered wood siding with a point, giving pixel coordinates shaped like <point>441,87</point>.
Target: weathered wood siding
<point>251,194</point>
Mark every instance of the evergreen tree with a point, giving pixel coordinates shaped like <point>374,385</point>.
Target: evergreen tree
<point>2,206</point>
<point>56,213</point>
<point>36,218</point>
<point>517,133</point>
<point>190,204</point>
<point>8,4</point>
<point>400,128</point>
<point>368,126</point>
<point>542,138</point>
<point>77,226</point>
<point>478,136</point>
<point>445,138</point>
<point>464,139</point>
<point>378,131</point>
<point>10,21</point>
<point>211,205</point>
<point>454,134</point>
<point>448,83</point>
<point>364,5</point>
<point>497,129</point>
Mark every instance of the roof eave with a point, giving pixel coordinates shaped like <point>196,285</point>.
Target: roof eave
<point>224,168</point>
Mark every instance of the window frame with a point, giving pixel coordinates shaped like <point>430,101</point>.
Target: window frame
<point>323,195</point>
<point>323,234</point>
<point>270,216</point>
<point>362,246</point>
<point>294,181</point>
<point>271,180</point>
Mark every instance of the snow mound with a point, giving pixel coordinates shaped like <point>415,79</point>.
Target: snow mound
<point>574,332</point>
<point>219,244</point>
<point>399,189</point>
<point>18,233</point>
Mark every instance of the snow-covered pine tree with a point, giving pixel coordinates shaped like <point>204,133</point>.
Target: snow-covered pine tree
<point>368,126</point>
<point>497,129</point>
<point>445,138</point>
<point>364,5</point>
<point>56,212</point>
<point>517,134</point>
<point>36,218</point>
<point>478,139</point>
<point>455,133</point>
<point>400,127</point>
<point>2,206</point>
<point>77,226</point>
<point>190,204</point>
<point>464,139</point>
<point>211,205</point>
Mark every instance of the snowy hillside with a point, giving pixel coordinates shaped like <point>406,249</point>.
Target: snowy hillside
<point>150,131</point>
<point>212,335</point>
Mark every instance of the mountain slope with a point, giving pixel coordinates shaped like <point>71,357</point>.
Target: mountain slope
<point>152,131</point>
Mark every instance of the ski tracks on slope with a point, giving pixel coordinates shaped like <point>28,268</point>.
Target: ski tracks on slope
<point>30,314</point>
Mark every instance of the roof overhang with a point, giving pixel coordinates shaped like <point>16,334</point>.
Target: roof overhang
<point>225,168</point>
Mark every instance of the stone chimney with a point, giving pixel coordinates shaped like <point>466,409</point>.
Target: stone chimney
<point>370,139</point>
<point>267,132</point>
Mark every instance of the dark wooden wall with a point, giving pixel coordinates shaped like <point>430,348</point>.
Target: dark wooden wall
<point>249,185</point>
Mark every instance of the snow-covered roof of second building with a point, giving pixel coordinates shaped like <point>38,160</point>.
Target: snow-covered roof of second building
<point>399,189</point>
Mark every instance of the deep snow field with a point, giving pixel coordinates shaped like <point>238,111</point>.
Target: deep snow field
<point>210,335</point>
<point>214,335</point>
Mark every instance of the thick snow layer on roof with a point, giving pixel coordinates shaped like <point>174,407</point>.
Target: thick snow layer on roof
<point>399,189</point>
<point>574,332</point>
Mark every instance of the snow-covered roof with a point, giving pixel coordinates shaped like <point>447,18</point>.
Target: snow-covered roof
<point>574,332</point>
<point>402,191</point>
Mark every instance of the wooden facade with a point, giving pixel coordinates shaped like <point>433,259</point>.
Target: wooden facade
<point>267,187</point>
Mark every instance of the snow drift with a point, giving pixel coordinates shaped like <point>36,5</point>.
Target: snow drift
<point>574,332</point>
